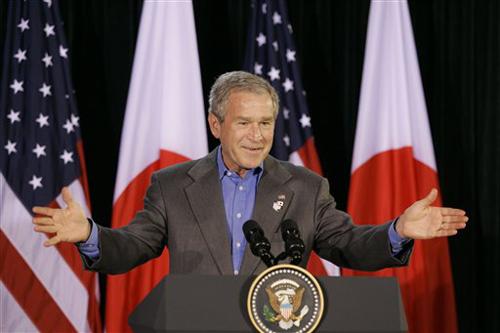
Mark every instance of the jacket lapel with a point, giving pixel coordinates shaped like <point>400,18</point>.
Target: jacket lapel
<point>268,212</point>
<point>206,200</point>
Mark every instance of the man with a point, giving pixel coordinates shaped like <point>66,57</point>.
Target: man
<point>198,208</point>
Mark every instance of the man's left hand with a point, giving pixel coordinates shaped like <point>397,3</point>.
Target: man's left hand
<point>422,221</point>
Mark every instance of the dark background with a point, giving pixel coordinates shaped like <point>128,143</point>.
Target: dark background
<point>458,45</point>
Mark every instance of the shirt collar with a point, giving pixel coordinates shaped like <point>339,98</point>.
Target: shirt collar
<point>223,170</point>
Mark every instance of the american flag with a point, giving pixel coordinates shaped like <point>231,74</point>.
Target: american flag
<point>271,54</point>
<point>42,289</point>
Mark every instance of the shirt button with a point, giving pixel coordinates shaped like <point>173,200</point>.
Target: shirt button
<point>238,215</point>
<point>238,244</point>
<point>241,188</point>
<point>236,272</point>
<point>229,173</point>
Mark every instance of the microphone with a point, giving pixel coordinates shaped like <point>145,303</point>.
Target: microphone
<point>259,245</point>
<point>294,246</point>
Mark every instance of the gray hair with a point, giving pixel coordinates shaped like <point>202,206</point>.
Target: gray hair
<point>238,81</point>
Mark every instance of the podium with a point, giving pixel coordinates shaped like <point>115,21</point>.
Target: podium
<point>190,303</point>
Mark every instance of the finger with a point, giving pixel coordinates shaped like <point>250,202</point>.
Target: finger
<point>43,221</point>
<point>459,225</point>
<point>45,211</point>
<point>47,229</point>
<point>67,196</point>
<point>452,226</point>
<point>446,233</point>
<point>453,218</point>
<point>52,241</point>
<point>451,211</point>
<point>430,198</point>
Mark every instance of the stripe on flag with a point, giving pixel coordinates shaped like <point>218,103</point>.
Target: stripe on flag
<point>50,268</point>
<point>19,321</point>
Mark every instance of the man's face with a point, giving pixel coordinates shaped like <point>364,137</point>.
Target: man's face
<point>246,134</point>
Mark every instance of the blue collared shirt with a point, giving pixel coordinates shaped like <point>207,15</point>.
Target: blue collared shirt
<point>239,201</point>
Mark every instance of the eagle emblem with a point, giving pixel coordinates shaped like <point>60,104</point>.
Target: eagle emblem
<point>285,298</point>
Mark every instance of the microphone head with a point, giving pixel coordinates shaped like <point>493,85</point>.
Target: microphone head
<point>259,245</point>
<point>251,229</point>
<point>294,245</point>
<point>289,227</point>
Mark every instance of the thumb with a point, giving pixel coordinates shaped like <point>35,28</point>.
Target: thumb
<point>67,197</point>
<point>430,198</point>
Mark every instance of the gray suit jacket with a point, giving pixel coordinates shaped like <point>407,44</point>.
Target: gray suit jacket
<point>184,210</point>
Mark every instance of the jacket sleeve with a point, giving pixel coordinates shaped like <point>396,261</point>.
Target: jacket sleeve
<point>143,239</point>
<point>338,240</point>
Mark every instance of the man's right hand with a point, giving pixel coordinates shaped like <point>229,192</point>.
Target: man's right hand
<point>67,224</point>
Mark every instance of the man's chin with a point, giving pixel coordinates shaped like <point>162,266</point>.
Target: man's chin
<point>249,165</point>
<point>252,160</point>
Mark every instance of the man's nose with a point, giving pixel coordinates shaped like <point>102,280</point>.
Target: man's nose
<point>255,132</point>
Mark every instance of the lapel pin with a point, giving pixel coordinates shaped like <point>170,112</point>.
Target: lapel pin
<point>277,205</point>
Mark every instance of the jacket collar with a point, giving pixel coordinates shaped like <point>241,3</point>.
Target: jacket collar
<point>205,196</point>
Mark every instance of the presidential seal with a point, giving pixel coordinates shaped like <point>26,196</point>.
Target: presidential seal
<point>285,298</point>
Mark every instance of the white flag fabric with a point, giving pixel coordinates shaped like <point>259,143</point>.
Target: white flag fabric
<point>393,163</point>
<point>164,125</point>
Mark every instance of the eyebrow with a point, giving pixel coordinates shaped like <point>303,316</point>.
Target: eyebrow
<point>250,119</point>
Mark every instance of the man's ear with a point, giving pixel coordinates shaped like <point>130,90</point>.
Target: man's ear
<point>214,124</point>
